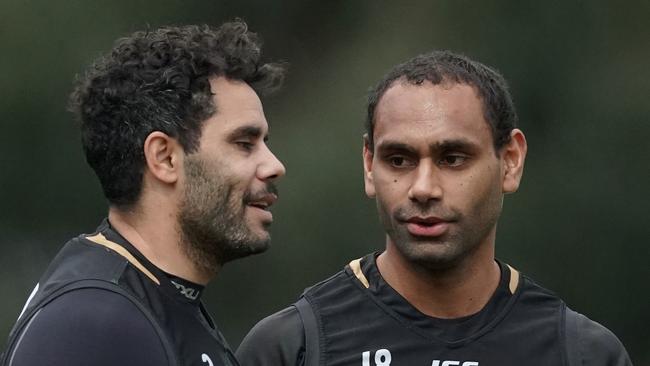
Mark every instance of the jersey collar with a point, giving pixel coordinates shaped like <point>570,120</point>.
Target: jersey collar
<point>179,288</point>
<point>449,330</point>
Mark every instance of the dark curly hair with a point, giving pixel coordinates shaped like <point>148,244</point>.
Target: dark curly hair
<point>445,66</point>
<point>158,81</point>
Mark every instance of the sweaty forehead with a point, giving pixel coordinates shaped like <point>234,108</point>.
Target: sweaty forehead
<point>406,100</point>
<point>446,109</point>
<point>238,112</point>
<point>236,104</point>
<point>234,96</point>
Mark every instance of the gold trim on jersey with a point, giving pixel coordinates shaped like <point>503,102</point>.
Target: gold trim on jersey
<point>101,240</point>
<point>514,279</point>
<point>355,265</point>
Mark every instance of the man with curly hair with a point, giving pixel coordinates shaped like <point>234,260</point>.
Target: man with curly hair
<point>172,125</point>
<point>442,149</point>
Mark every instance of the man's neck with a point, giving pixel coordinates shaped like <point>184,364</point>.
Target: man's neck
<point>458,291</point>
<point>155,234</point>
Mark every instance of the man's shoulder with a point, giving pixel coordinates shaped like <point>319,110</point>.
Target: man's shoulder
<point>594,343</point>
<point>277,339</point>
<point>587,341</point>
<point>284,322</point>
<point>329,281</point>
<point>92,307</point>
<point>92,325</point>
<point>281,338</point>
<point>81,257</point>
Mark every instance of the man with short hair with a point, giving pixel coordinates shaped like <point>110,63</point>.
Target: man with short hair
<point>441,150</point>
<point>172,125</point>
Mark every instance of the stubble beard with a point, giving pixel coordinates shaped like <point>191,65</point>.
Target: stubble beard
<point>443,253</point>
<point>212,220</point>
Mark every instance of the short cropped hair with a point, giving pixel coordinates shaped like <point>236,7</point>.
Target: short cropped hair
<point>445,66</point>
<point>158,80</point>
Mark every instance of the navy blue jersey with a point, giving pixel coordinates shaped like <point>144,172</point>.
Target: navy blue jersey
<point>356,318</point>
<point>101,302</point>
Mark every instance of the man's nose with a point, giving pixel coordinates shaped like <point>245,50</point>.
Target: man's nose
<point>271,168</point>
<point>426,184</point>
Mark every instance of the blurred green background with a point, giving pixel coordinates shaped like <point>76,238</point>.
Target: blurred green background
<point>578,72</point>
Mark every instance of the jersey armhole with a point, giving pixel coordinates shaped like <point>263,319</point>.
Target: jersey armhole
<point>588,342</point>
<point>312,334</point>
<point>100,285</point>
<point>106,328</point>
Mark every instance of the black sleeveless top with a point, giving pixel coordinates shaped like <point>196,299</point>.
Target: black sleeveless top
<point>520,320</point>
<point>173,326</point>
<point>355,318</point>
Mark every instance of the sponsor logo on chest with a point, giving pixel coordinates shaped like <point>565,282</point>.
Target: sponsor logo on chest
<point>383,357</point>
<point>189,292</point>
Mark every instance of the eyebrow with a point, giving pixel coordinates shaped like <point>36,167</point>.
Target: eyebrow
<point>439,146</point>
<point>453,144</point>
<point>387,146</point>
<point>246,131</point>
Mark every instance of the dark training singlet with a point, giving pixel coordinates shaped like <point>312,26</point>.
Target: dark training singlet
<point>355,318</point>
<point>101,302</point>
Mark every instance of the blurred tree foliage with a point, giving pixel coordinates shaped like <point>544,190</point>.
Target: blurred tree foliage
<point>578,72</point>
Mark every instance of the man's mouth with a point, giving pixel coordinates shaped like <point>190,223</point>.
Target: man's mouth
<point>260,205</point>
<point>427,221</point>
<point>428,226</point>
<point>263,202</point>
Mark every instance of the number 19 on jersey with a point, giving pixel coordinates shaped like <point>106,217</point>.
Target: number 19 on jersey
<point>382,358</point>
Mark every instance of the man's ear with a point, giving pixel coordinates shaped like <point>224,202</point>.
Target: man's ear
<point>163,155</point>
<point>368,154</point>
<point>513,155</point>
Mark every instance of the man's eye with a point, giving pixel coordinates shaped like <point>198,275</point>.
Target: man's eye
<point>246,145</point>
<point>453,160</point>
<point>399,161</point>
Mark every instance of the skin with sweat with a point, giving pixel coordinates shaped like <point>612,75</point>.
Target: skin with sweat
<point>439,186</point>
<point>197,211</point>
